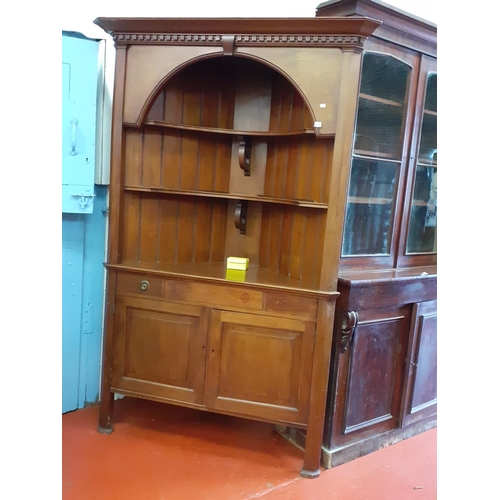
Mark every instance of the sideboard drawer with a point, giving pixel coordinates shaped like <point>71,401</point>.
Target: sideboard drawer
<point>138,284</point>
<point>213,295</point>
<point>294,305</point>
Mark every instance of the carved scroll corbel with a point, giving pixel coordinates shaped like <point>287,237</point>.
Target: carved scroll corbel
<point>240,216</point>
<point>348,326</point>
<point>244,152</point>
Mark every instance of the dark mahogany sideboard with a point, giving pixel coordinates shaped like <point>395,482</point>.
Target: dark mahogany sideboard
<point>382,386</point>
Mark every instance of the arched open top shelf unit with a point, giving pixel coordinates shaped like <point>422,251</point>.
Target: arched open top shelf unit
<point>225,95</point>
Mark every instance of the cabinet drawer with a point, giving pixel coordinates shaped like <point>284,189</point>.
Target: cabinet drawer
<point>213,295</point>
<point>293,305</point>
<point>138,284</point>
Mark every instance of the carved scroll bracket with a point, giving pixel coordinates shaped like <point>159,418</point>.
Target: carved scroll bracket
<point>348,325</point>
<point>240,216</point>
<point>244,153</point>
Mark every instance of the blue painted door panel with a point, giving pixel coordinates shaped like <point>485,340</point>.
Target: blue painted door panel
<point>79,101</point>
<point>83,254</point>
<point>73,229</point>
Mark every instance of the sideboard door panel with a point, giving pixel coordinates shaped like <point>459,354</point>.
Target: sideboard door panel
<point>260,365</point>
<point>372,371</point>
<point>159,349</point>
<point>421,400</point>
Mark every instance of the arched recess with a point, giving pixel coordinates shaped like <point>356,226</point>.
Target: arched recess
<point>315,72</point>
<point>235,92</point>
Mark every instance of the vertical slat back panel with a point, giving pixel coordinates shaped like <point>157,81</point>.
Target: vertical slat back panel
<point>288,109</point>
<point>202,231</point>
<point>285,240</point>
<point>223,162</point>
<point>133,157</point>
<point>283,104</point>
<point>292,167</point>
<point>271,216</point>
<point>189,162</point>
<point>300,116</point>
<point>191,115</point>
<point>306,158</point>
<point>185,222</point>
<point>173,100</point>
<point>210,99</point>
<point>149,229</point>
<point>130,226</point>
<point>297,243</point>
<point>226,99</point>
<point>305,170</point>
<point>312,251</point>
<point>320,173</point>
<point>152,157</point>
<point>218,230</point>
<point>291,241</point>
<point>171,159</point>
<point>168,229</point>
<point>172,141</point>
<point>207,163</point>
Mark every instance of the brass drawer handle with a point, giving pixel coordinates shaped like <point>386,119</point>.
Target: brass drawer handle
<point>144,285</point>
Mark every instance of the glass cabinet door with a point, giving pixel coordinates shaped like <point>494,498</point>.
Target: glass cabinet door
<point>422,230</point>
<point>377,155</point>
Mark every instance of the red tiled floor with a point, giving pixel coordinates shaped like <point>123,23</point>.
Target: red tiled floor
<point>163,452</point>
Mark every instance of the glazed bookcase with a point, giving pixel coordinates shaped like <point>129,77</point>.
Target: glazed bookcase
<point>382,386</point>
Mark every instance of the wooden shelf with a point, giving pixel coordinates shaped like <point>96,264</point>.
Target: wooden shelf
<point>380,100</point>
<point>359,200</point>
<point>419,203</point>
<point>231,196</point>
<point>226,131</point>
<point>375,155</point>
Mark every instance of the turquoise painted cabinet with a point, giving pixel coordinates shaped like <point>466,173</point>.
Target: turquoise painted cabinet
<point>84,226</point>
<point>79,110</point>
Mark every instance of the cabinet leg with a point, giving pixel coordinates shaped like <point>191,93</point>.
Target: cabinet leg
<point>312,454</point>
<point>321,365</point>
<point>107,397</point>
<point>106,413</point>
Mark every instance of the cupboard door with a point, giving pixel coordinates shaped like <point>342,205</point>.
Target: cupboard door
<point>371,373</point>
<point>421,397</point>
<point>418,247</point>
<point>260,366</point>
<point>159,349</point>
<point>379,157</point>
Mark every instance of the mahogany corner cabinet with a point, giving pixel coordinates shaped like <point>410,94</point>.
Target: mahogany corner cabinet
<point>233,137</point>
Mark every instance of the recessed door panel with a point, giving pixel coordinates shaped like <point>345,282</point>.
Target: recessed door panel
<point>159,349</point>
<point>371,375</point>
<point>421,398</point>
<point>260,365</point>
